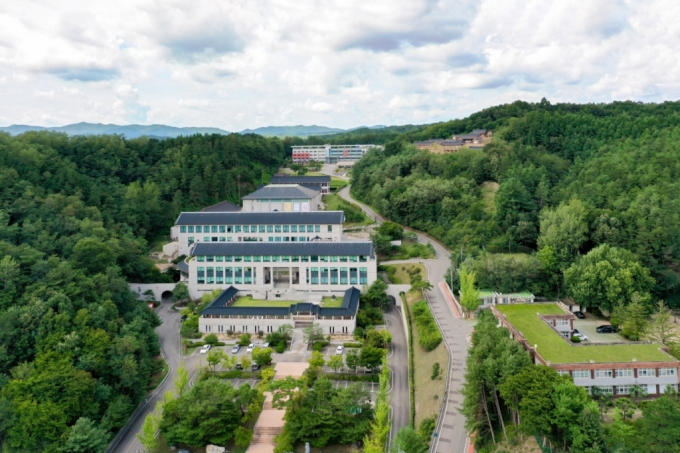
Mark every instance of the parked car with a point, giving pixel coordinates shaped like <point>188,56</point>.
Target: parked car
<point>581,336</point>
<point>239,366</point>
<point>184,318</point>
<point>266,345</point>
<point>235,349</point>
<point>339,350</point>
<point>580,315</point>
<point>576,331</point>
<point>368,370</point>
<point>607,328</point>
<point>254,367</point>
<point>251,346</point>
<point>205,349</point>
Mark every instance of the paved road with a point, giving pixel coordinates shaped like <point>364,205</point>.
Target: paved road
<point>451,434</point>
<point>400,398</point>
<point>168,333</point>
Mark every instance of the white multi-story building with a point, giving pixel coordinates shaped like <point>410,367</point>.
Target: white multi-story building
<point>283,198</point>
<point>330,153</point>
<point>194,227</point>
<point>278,270</point>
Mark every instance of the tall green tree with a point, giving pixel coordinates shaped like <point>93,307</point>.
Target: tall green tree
<point>564,229</point>
<point>469,295</point>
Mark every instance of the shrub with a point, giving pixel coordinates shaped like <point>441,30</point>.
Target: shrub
<point>280,348</point>
<point>436,371</point>
<point>243,436</point>
<point>575,339</point>
<point>196,344</point>
<point>244,340</point>
<point>211,339</point>
<point>352,345</point>
<point>352,377</point>
<point>319,345</point>
<point>429,336</point>
<point>426,429</point>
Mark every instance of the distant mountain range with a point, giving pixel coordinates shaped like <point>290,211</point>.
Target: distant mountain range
<point>163,131</point>
<point>299,131</point>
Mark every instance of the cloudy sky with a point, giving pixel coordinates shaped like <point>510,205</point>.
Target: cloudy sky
<point>339,63</point>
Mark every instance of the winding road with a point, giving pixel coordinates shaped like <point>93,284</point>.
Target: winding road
<point>450,433</point>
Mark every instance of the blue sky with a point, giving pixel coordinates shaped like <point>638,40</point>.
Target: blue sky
<point>344,63</point>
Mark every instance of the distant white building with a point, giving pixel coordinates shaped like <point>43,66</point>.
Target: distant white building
<point>330,153</point>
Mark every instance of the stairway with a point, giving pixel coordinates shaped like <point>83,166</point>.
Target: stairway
<point>298,343</point>
<point>265,435</point>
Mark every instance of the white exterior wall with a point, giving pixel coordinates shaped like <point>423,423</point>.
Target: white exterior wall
<point>260,290</point>
<point>268,324</point>
<point>306,204</point>
<point>184,247</point>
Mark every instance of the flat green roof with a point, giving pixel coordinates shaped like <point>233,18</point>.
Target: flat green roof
<point>485,293</point>
<point>553,348</point>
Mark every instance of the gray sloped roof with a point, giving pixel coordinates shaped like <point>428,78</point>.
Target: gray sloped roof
<point>261,218</point>
<point>364,248</point>
<point>224,206</point>
<point>295,191</point>
<point>350,306</point>
<point>300,179</point>
<point>183,266</point>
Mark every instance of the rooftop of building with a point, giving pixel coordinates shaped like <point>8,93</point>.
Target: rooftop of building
<point>223,206</point>
<point>348,307</point>
<point>552,347</point>
<point>262,218</point>
<point>325,248</point>
<point>282,191</point>
<point>324,179</point>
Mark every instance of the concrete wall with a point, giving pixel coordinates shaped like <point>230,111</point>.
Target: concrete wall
<point>309,204</point>
<point>157,288</point>
<point>253,325</point>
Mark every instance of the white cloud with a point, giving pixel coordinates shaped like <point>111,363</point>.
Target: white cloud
<point>249,64</point>
<point>43,94</point>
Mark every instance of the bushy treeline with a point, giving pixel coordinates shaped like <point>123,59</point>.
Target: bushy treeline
<point>507,398</point>
<point>76,349</point>
<point>557,180</point>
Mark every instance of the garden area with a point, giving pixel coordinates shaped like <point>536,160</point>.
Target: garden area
<point>354,216</point>
<point>409,248</point>
<point>430,360</point>
<point>404,274</point>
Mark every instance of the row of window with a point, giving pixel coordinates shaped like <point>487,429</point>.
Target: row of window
<point>270,329</point>
<point>283,200</point>
<point>314,275</point>
<point>625,389</point>
<point>219,275</point>
<point>253,228</point>
<point>191,239</point>
<point>620,373</point>
<point>283,258</point>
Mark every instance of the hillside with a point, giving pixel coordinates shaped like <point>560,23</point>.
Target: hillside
<point>620,162</point>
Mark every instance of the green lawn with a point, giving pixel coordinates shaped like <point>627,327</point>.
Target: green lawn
<point>353,213</point>
<point>409,249</point>
<point>398,273</point>
<point>248,301</point>
<point>329,302</point>
<point>552,347</point>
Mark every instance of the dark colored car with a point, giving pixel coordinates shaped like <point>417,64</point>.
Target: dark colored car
<point>576,331</point>
<point>607,328</point>
<point>239,366</point>
<point>254,367</point>
<point>580,315</point>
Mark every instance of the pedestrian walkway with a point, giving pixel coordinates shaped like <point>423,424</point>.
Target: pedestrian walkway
<point>451,299</point>
<point>450,432</point>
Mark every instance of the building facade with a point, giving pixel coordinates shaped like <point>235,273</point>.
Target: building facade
<point>222,316</point>
<point>278,270</point>
<point>194,227</point>
<point>330,153</point>
<point>612,377</point>
<point>282,198</point>
<point>321,182</point>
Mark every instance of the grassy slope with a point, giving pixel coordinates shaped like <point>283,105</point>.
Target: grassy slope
<point>402,276</point>
<point>552,347</point>
<point>425,388</point>
<point>335,203</point>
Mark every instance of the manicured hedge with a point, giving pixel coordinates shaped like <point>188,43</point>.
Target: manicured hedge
<point>353,345</point>
<point>352,377</point>
<point>429,336</point>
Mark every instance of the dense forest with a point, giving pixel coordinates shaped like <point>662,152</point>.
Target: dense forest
<point>76,349</point>
<point>556,183</point>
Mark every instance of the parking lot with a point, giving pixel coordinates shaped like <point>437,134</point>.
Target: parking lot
<point>587,327</point>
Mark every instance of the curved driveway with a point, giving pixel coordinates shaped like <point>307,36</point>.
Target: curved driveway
<point>451,435</point>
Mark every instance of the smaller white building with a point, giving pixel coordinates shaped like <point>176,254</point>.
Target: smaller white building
<point>283,198</point>
<point>222,316</point>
